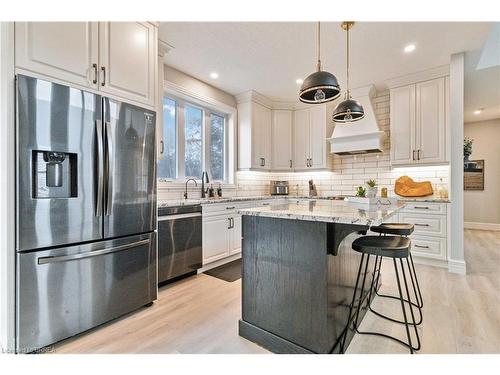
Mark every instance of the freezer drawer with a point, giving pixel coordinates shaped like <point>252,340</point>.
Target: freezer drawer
<point>65,291</point>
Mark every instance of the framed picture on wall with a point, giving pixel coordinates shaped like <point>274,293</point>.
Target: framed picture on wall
<point>474,175</point>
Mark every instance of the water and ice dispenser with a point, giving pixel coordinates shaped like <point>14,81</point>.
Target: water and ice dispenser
<point>54,174</point>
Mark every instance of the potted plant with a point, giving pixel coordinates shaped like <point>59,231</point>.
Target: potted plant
<point>361,192</point>
<point>372,188</point>
<point>467,148</point>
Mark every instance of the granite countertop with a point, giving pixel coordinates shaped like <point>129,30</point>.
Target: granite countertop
<point>292,198</point>
<point>183,202</point>
<point>331,211</point>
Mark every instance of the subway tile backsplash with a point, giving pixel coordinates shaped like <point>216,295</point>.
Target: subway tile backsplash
<point>348,171</point>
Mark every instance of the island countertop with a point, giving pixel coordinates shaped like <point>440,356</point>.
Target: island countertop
<point>327,211</point>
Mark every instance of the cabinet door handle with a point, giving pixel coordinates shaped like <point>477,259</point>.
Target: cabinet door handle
<point>103,70</point>
<point>422,246</point>
<point>421,225</point>
<point>413,154</point>
<point>418,154</point>
<point>311,162</point>
<point>290,163</point>
<point>264,162</point>
<point>162,147</point>
<point>421,207</point>
<point>94,67</point>
<point>229,219</point>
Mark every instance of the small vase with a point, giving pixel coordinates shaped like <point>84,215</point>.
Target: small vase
<point>371,192</point>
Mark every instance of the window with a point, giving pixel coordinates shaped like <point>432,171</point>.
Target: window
<point>193,137</point>
<point>194,140</point>
<point>217,143</point>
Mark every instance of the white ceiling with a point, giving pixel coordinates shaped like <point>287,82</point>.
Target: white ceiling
<point>269,56</point>
<point>482,89</point>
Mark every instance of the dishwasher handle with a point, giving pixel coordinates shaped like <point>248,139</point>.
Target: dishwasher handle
<point>178,216</point>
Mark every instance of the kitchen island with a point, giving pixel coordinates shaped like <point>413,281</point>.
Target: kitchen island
<point>299,272</point>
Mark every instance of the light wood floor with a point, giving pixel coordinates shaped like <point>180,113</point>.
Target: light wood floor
<point>200,314</point>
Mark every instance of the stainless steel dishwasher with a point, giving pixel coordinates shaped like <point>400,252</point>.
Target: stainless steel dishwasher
<point>179,241</point>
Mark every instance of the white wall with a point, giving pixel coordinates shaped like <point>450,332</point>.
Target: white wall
<point>484,206</point>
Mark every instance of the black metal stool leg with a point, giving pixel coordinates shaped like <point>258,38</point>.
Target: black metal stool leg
<point>418,304</point>
<point>411,306</point>
<point>403,306</point>
<point>421,304</point>
<point>401,299</point>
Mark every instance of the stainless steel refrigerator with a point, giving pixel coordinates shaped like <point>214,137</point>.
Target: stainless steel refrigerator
<point>86,211</point>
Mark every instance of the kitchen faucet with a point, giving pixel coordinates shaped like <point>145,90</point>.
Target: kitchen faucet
<point>186,191</point>
<point>204,178</point>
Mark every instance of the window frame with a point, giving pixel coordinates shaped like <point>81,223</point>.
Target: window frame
<point>207,110</point>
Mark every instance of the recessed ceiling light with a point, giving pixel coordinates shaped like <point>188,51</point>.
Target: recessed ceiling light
<point>214,75</point>
<point>410,48</point>
<point>478,111</point>
<point>299,81</point>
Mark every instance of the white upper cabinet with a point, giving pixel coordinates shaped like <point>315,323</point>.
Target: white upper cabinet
<point>281,139</point>
<point>66,51</point>
<point>431,142</point>
<point>318,134</point>
<point>116,58</point>
<point>310,133</point>
<point>127,59</point>
<point>282,129</point>
<point>402,125</point>
<point>301,139</point>
<point>254,135</point>
<point>418,123</point>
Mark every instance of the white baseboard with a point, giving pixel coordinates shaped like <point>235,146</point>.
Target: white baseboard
<point>481,226</point>
<point>219,262</point>
<point>430,262</point>
<point>457,266</point>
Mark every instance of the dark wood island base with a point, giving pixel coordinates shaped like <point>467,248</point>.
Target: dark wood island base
<point>298,280</point>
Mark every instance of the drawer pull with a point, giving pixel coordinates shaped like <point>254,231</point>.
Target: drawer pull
<point>422,246</point>
<point>421,207</point>
<point>230,208</point>
<point>266,204</point>
<point>421,225</point>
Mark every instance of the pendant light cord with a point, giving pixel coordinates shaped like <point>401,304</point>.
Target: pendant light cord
<point>348,92</point>
<point>319,46</point>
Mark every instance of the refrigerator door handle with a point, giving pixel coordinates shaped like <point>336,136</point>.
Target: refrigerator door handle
<point>109,168</point>
<point>67,258</point>
<point>100,171</point>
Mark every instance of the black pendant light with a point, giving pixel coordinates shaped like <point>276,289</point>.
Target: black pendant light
<point>321,86</point>
<point>349,110</point>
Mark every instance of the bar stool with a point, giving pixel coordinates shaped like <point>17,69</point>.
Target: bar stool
<point>396,248</point>
<point>399,229</point>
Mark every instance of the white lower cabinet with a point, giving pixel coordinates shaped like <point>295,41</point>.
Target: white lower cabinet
<point>216,238</point>
<point>235,245</point>
<point>428,247</point>
<point>222,228</point>
<point>430,237</point>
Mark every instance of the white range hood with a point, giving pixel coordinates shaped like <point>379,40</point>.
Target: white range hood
<point>359,137</point>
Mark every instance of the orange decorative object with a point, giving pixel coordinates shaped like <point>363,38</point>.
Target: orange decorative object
<point>406,187</point>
